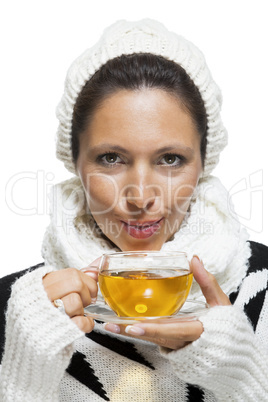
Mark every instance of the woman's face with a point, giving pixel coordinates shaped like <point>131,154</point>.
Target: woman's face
<point>139,162</point>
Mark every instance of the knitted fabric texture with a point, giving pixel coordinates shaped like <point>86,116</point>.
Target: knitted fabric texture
<point>38,325</point>
<point>145,36</point>
<point>209,230</point>
<point>228,361</point>
<point>215,359</point>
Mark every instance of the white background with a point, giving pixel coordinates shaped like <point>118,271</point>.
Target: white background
<point>39,40</point>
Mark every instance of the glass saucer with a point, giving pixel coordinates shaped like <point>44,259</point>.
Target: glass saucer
<point>190,311</point>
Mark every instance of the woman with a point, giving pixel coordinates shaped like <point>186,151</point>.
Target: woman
<point>140,127</point>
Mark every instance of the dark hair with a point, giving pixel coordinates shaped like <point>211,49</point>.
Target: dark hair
<point>133,72</point>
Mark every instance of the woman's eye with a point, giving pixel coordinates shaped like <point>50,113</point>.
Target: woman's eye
<point>109,159</point>
<point>171,160</point>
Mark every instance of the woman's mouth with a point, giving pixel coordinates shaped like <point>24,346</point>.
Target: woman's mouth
<point>142,230</point>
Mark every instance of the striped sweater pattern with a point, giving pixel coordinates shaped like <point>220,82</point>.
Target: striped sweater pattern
<point>227,363</point>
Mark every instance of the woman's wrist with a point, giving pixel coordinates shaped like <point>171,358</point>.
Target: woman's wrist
<point>38,337</point>
<point>226,348</point>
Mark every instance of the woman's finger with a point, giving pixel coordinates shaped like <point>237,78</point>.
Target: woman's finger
<point>73,305</point>
<point>61,283</point>
<point>210,288</point>
<point>173,336</point>
<point>92,269</point>
<point>85,324</point>
<point>185,331</point>
<point>95,263</point>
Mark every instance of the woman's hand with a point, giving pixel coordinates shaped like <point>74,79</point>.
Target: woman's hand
<point>179,334</point>
<point>77,289</point>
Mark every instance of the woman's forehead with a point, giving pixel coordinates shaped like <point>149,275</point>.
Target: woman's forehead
<point>149,117</point>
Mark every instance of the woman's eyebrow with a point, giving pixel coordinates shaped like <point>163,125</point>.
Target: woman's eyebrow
<point>117,148</point>
<point>107,147</point>
<point>175,147</point>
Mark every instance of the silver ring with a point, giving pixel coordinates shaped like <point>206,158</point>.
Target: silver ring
<point>60,306</point>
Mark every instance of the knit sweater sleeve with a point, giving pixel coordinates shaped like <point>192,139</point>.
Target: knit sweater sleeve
<point>227,359</point>
<point>39,343</point>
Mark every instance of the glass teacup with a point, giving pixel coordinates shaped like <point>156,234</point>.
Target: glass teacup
<point>145,283</point>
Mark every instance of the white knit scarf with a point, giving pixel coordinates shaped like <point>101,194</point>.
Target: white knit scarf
<point>210,230</point>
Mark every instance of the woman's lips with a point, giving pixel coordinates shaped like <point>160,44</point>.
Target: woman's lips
<point>142,230</point>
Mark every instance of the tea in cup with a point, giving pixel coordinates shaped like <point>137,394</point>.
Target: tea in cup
<point>145,283</point>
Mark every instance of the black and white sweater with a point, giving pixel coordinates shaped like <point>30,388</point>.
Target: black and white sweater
<point>47,358</point>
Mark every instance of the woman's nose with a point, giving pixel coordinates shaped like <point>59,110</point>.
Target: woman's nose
<point>141,191</point>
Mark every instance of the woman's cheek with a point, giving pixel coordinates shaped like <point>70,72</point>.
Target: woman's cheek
<point>181,196</point>
<point>102,192</point>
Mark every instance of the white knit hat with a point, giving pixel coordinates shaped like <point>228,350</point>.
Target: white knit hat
<point>145,36</point>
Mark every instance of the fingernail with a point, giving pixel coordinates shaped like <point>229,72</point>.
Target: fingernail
<point>130,329</point>
<point>196,256</point>
<point>112,328</point>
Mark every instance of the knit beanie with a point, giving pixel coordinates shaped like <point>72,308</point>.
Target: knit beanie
<point>145,36</point>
